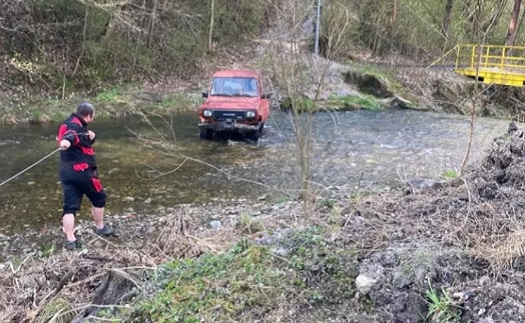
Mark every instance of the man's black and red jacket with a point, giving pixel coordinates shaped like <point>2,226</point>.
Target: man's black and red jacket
<point>80,155</point>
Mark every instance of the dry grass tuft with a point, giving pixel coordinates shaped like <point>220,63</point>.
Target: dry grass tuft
<point>502,253</point>
<point>173,239</point>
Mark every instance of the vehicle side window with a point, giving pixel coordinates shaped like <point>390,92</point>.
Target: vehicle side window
<point>216,86</point>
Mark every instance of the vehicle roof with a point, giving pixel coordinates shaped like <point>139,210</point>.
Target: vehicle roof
<point>237,73</point>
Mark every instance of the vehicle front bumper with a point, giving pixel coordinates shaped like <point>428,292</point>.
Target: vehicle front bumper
<point>230,126</point>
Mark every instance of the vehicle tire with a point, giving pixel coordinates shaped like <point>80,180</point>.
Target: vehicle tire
<point>206,134</point>
<point>256,135</point>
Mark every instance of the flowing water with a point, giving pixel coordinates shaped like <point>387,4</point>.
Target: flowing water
<point>361,147</point>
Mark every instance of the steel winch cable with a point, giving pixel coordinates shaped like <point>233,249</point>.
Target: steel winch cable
<point>28,168</point>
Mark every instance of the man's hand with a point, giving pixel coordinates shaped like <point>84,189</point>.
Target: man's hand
<point>91,135</point>
<point>64,144</point>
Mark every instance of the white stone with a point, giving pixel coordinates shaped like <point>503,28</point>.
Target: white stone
<point>364,284</point>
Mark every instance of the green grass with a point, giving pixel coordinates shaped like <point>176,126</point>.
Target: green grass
<point>356,102</point>
<point>117,101</point>
<point>48,250</point>
<point>111,95</point>
<point>349,102</point>
<point>249,225</point>
<point>37,114</point>
<point>248,281</point>
<point>450,174</point>
<point>441,309</point>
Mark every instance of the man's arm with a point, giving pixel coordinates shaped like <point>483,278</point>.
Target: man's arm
<point>70,137</point>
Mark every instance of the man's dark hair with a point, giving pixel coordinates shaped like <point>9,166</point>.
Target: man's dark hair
<point>85,109</point>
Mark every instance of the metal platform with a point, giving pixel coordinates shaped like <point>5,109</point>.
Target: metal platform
<point>492,64</point>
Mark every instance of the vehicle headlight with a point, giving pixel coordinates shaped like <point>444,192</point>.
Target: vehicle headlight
<point>250,114</point>
<point>207,113</point>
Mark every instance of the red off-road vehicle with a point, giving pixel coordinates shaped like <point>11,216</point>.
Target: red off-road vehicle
<point>236,101</point>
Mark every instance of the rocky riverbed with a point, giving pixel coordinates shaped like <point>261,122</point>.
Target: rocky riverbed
<point>133,227</point>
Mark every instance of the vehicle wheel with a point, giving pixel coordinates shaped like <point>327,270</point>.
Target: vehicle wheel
<point>256,135</point>
<point>206,134</point>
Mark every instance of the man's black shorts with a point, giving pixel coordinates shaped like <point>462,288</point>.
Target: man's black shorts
<point>76,184</point>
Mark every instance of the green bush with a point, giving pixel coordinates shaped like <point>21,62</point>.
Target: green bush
<point>248,281</point>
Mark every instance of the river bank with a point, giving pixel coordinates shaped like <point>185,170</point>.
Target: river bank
<point>349,86</point>
<point>118,101</point>
<point>432,250</point>
<point>146,242</point>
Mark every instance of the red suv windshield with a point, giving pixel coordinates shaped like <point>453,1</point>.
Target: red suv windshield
<point>234,86</point>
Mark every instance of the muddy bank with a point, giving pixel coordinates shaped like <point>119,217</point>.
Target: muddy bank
<point>134,226</point>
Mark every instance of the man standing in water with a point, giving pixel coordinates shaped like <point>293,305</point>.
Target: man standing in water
<point>78,174</point>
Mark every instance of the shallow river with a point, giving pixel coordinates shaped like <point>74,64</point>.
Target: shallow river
<point>372,149</point>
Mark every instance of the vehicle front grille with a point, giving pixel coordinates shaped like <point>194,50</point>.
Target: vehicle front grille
<point>228,114</point>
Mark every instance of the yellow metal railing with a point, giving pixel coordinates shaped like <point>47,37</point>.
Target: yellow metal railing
<point>503,59</point>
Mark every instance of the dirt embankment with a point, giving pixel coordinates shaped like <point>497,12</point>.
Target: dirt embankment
<point>462,238</point>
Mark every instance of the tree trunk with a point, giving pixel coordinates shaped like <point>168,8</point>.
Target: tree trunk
<point>473,11</point>
<point>210,38</point>
<point>491,24</point>
<point>513,25</point>
<point>83,48</point>
<point>151,27</point>
<point>113,20</point>
<point>393,18</point>
<point>447,17</point>
<point>117,287</point>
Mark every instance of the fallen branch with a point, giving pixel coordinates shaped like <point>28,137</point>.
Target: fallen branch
<point>65,279</point>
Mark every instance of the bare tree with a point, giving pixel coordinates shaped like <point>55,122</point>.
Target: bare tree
<point>513,25</point>
<point>449,4</point>
<point>212,18</point>
<point>151,27</point>
<point>393,18</point>
<point>477,95</point>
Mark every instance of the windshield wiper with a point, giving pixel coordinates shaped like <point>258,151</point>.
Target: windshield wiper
<point>222,94</point>
<point>244,95</point>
